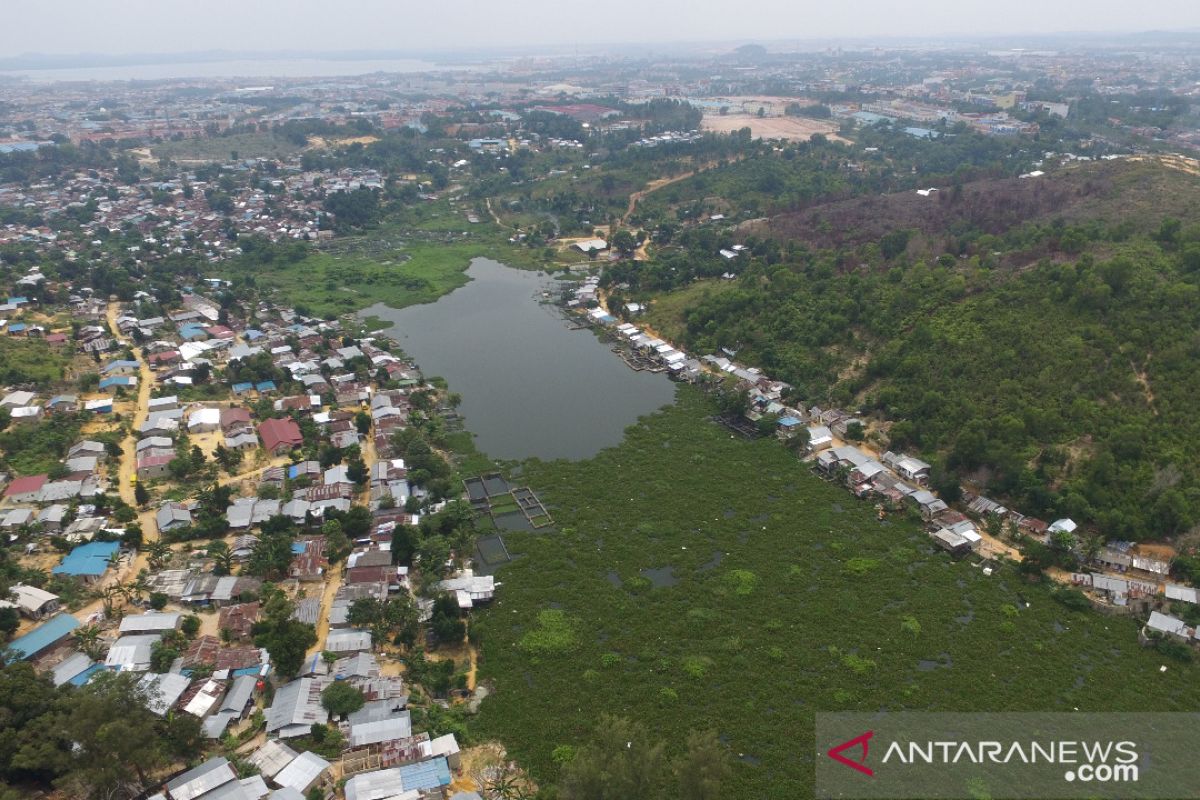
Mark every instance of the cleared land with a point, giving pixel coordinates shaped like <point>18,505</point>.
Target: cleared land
<point>221,148</point>
<point>788,598</point>
<point>792,128</point>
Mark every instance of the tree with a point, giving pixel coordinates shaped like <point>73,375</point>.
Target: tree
<point>190,626</point>
<point>340,699</point>
<point>222,557</point>
<point>337,545</point>
<point>624,242</point>
<point>158,552</point>
<point>619,762</point>
<point>287,642</point>
<point>767,424</point>
<point>272,552</point>
<point>446,621</point>
<point>112,737</point>
<point>703,768</point>
<point>141,495</point>
<point>158,601</point>
<point>362,422</point>
<point>404,544</point>
<point>87,639</point>
<point>162,656</point>
<point>382,617</point>
<point>10,620</point>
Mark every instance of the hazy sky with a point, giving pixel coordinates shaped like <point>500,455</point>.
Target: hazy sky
<point>123,26</point>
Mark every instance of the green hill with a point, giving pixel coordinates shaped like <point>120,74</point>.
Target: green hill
<point>1037,336</point>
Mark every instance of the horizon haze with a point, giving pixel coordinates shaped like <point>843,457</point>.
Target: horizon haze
<point>143,27</point>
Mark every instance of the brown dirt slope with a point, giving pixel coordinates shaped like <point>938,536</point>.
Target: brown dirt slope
<point>1139,191</point>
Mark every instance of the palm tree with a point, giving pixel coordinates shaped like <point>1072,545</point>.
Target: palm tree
<point>87,639</point>
<point>110,594</point>
<point>137,588</point>
<point>158,552</point>
<point>222,558</point>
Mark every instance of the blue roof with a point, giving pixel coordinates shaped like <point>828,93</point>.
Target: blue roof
<point>252,334</point>
<point>237,673</point>
<point>243,387</point>
<point>297,547</point>
<point>86,675</point>
<point>192,331</point>
<point>43,636</point>
<point>117,380</point>
<point>87,559</point>
<point>266,386</point>
<point>788,421</point>
<point>18,300</point>
<point>293,471</point>
<point>425,775</point>
<point>17,326</point>
<point>119,364</point>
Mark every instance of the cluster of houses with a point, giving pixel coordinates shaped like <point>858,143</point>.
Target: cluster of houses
<point>184,214</point>
<point>329,386</point>
<point>58,506</point>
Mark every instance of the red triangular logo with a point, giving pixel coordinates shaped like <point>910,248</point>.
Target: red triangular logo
<point>858,741</point>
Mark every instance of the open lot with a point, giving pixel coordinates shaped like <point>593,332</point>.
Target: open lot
<point>799,129</point>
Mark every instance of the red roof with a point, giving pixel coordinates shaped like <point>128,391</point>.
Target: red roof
<point>166,355</point>
<point>275,432</point>
<point>369,574</point>
<point>154,461</point>
<point>233,416</point>
<point>30,483</point>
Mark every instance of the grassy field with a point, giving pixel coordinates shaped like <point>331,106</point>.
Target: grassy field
<point>331,284</point>
<point>246,145</point>
<point>32,361</point>
<point>416,257</point>
<point>665,314</point>
<point>790,598</point>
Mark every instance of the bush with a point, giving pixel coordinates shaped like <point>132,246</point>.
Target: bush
<point>1071,598</point>
<point>554,634</point>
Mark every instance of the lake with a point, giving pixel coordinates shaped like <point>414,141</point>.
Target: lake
<point>530,385</point>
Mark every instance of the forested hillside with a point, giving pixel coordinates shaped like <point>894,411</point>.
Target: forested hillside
<point>1045,349</point>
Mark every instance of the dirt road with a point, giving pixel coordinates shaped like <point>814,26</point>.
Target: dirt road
<point>654,186</point>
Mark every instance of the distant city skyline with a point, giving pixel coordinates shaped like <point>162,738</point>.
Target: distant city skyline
<point>118,27</point>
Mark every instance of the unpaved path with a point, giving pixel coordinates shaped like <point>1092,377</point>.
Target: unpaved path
<point>655,185</point>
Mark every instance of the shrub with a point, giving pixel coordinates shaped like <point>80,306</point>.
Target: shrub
<point>554,634</point>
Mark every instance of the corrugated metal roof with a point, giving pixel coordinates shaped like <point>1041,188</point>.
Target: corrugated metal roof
<point>215,725</point>
<point>163,691</point>
<point>203,779</point>
<point>272,757</point>
<point>131,652</point>
<point>304,770</point>
<point>239,694</point>
<point>71,666</point>
<point>382,730</point>
<point>349,640</point>
<point>426,775</point>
